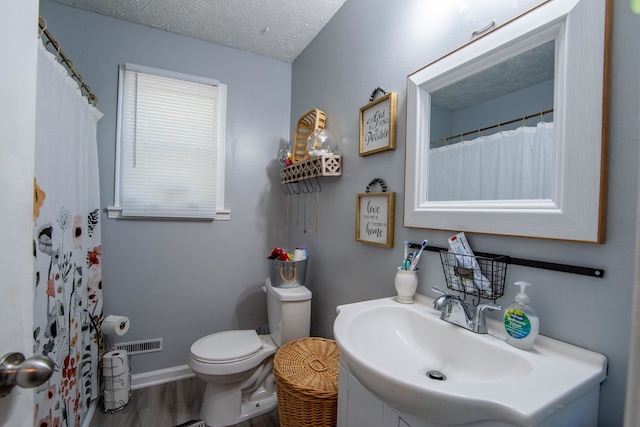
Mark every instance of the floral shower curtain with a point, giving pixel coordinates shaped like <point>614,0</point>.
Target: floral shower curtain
<point>67,251</point>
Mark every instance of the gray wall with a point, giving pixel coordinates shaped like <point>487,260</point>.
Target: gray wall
<point>372,43</point>
<point>182,280</point>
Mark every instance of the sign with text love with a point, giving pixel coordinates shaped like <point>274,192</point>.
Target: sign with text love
<point>375,215</point>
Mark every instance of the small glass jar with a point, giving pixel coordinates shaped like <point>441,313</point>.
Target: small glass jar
<point>322,141</point>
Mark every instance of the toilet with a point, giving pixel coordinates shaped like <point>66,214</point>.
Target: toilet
<point>237,365</point>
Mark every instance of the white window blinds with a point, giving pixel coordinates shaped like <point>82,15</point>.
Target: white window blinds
<point>171,144</point>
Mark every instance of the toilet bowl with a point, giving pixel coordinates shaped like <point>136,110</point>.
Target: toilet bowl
<point>237,365</point>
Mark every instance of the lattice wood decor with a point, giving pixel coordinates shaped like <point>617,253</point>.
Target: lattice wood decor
<point>324,165</point>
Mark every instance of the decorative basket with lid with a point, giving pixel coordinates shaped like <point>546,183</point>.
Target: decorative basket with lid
<point>306,373</point>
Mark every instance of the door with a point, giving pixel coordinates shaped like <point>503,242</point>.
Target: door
<point>18,23</point>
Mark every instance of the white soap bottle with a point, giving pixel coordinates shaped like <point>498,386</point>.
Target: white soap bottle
<point>520,322</point>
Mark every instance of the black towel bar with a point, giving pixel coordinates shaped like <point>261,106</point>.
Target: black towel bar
<point>565,268</point>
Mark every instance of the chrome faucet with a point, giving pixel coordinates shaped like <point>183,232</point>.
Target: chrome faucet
<point>456,311</point>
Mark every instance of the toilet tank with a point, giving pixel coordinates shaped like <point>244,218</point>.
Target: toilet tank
<point>289,312</point>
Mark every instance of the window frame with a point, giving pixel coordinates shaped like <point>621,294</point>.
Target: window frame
<point>221,214</point>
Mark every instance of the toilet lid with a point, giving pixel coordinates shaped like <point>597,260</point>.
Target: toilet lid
<point>227,345</point>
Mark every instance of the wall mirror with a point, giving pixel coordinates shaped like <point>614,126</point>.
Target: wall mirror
<point>507,134</point>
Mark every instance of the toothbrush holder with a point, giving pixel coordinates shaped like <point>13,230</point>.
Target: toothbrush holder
<point>406,282</point>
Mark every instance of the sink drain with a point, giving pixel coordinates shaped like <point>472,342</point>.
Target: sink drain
<point>436,375</point>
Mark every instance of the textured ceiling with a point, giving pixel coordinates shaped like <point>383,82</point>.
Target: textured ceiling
<point>524,70</point>
<point>278,29</point>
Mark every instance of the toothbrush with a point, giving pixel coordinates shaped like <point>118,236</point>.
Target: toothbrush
<point>406,250</point>
<point>416,258</point>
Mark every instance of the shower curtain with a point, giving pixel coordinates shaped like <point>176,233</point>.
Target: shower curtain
<point>513,164</point>
<point>67,251</point>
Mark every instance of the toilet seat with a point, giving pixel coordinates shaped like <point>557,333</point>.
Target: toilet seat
<point>226,347</point>
<point>230,352</point>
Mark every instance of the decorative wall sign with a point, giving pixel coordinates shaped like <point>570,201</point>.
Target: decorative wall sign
<point>375,214</point>
<point>378,125</point>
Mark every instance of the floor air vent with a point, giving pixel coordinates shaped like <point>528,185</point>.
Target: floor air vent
<point>139,347</point>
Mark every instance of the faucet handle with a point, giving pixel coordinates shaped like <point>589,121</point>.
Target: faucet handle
<point>439,302</point>
<point>479,321</point>
<point>440,291</point>
<point>488,306</point>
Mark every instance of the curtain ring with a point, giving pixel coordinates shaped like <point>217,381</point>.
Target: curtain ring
<point>43,26</point>
<point>57,46</point>
<point>93,100</point>
<point>71,67</point>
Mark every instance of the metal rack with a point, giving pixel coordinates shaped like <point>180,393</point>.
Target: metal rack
<point>478,276</point>
<point>116,387</point>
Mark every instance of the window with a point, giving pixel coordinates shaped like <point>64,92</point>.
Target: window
<point>169,145</point>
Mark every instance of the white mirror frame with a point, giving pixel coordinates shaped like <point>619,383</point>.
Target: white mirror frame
<point>576,209</point>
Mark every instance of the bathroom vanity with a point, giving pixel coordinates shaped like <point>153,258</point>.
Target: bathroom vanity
<point>401,365</point>
<point>358,407</point>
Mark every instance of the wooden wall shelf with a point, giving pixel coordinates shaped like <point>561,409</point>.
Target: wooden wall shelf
<point>324,165</point>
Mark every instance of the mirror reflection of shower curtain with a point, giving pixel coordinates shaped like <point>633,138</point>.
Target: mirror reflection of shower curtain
<point>513,164</point>
<point>67,246</point>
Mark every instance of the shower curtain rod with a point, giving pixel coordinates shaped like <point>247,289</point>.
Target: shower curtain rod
<point>530,116</point>
<point>65,61</point>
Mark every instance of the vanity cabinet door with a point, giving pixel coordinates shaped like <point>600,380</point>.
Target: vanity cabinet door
<point>358,407</point>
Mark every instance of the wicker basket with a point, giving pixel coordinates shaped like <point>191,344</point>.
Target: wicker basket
<point>309,123</point>
<point>306,373</point>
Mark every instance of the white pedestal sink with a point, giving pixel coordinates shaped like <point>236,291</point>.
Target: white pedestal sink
<point>398,351</point>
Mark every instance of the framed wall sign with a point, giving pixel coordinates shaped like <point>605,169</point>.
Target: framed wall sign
<point>378,125</point>
<point>375,214</point>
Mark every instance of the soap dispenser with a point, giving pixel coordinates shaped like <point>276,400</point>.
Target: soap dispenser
<point>520,322</point>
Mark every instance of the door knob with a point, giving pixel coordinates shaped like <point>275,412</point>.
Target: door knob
<point>29,373</point>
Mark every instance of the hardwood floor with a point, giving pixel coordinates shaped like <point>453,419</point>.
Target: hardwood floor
<point>168,405</point>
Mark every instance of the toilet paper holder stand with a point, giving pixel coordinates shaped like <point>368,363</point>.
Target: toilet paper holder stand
<point>114,385</point>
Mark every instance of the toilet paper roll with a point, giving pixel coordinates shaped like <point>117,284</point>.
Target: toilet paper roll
<point>300,254</point>
<point>116,379</point>
<point>113,384</point>
<point>115,325</point>
<point>115,363</point>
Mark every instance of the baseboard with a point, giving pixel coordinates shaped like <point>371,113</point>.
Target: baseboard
<point>161,376</point>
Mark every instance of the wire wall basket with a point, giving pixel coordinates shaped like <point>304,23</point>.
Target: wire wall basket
<point>478,276</point>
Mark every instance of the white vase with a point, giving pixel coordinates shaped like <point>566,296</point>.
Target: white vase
<point>406,282</point>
